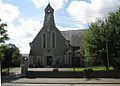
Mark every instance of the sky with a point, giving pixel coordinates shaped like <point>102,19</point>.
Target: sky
<point>25,17</point>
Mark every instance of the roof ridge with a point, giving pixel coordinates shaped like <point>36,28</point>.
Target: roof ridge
<point>75,30</point>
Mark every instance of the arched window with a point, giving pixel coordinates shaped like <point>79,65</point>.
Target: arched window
<point>53,40</point>
<point>44,40</point>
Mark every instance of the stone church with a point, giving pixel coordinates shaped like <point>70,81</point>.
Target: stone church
<point>52,47</point>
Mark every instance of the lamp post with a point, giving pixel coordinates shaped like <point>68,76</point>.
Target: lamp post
<point>24,66</point>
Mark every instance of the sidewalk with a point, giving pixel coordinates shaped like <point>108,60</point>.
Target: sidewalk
<point>66,81</point>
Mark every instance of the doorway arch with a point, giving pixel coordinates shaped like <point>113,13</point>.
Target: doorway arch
<point>49,60</point>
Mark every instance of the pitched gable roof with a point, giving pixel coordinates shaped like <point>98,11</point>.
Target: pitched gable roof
<point>74,36</point>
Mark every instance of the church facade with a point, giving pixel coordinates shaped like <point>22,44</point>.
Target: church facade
<point>52,47</point>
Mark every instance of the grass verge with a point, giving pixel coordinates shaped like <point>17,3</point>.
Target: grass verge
<point>96,68</point>
<point>5,71</point>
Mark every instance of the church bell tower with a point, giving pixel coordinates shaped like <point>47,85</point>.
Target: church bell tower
<point>49,16</point>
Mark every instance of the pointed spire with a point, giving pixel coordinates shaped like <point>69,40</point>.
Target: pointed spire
<point>49,16</point>
<point>49,8</point>
<point>48,1</point>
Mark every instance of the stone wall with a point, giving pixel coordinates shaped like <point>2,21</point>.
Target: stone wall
<point>76,74</point>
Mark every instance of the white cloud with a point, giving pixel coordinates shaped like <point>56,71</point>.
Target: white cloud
<point>30,25</point>
<point>56,4</point>
<point>21,35</point>
<point>8,12</point>
<point>23,30</point>
<point>70,28</point>
<point>86,12</point>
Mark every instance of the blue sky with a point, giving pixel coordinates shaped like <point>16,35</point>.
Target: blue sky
<point>25,17</point>
<point>28,9</point>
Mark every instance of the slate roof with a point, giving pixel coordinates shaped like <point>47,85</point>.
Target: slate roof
<point>75,37</point>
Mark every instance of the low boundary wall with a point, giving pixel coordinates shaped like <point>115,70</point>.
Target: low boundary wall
<point>71,74</point>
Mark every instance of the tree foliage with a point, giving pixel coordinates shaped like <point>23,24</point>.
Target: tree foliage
<point>3,38</point>
<point>103,36</point>
<point>3,32</point>
<point>16,57</point>
<point>12,56</point>
<point>2,51</point>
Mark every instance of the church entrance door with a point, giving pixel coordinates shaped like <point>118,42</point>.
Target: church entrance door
<point>49,60</point>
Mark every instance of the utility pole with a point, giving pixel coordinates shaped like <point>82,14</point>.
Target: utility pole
<point>107,56</point>
<point>73,57</point>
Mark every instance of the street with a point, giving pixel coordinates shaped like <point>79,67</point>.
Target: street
<point>62,82</point>
<point>14,84</point>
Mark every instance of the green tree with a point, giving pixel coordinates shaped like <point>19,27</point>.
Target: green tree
<point>2,51</point>
<point>3,38</point>
<point>3,32</point>
<point>102,40</point>
<point>16,57</point>
<point>113,23</point>
<point>12,56</point>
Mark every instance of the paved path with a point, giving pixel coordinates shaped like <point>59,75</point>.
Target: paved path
<point>66,80</point>
<point>7,84</point>
<point>16,70</point>
<point>50,69</point>
<point>62,82</point>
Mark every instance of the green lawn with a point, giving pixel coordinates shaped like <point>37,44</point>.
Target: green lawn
<point>94,68</point>
<point>101,68</point>
<point>5,71</point>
